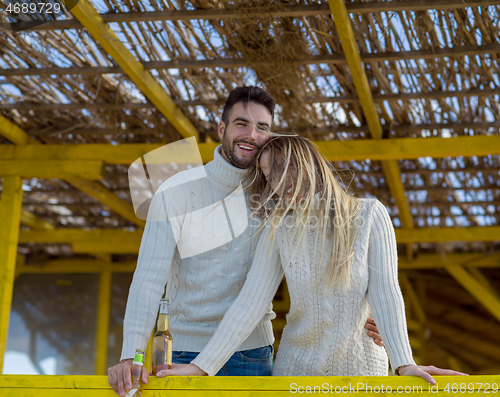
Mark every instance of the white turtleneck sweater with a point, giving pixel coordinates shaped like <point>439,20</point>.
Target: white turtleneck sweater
<point>325,332</point>
<point>201,287</point>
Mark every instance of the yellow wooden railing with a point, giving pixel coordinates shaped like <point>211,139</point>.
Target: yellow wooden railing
<point>82,386</point>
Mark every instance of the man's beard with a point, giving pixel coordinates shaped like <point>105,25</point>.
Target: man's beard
<point>230,151</point>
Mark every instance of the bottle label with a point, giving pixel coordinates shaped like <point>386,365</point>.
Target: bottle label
<point>138,359</point>
<point>169,353</point>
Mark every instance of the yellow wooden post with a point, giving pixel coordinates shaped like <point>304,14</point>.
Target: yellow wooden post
<point>102,328</point>
<point>10,214</point>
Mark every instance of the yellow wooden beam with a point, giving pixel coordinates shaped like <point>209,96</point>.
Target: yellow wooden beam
<point>438,261</point>
<point>239,386</point>
<point>97,241</point>
<point>94,189</point>
<point>489,233</point>
<point>128,246</point>
<point>117,240</point>
<point>76,266</point>
<point>384,149</point>
<point>351,52</point>
<point>392,174</point>
<point>34,222</point>
<point>423,261</point>
<point>106,197</point>
<point>476,289</point>
<point>479,276</point>
<point>70,235</point>
<point>85,12</point>
<point>88,169</point>
<point>410,148</point>
<point>102,327</point>
<point>11,201</point>
<point>390,167</point>
<point>412,296</point>
<point>13,133</point>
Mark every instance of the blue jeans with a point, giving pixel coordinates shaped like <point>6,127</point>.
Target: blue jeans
<point>253,362</point>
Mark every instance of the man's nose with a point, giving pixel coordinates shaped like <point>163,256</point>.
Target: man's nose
<point>252,132</point>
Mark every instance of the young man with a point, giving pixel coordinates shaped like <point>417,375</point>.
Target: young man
<point>202,283</point>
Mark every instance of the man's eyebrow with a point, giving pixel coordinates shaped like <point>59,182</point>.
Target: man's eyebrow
<point>262,123</point>
<point>241,119</point>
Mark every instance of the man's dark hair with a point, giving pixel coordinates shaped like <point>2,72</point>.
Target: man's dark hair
<point>247,94</point>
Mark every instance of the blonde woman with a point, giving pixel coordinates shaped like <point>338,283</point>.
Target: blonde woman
<point>338,254</point>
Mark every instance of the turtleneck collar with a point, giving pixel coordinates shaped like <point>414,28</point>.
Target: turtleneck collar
<point>222,174</point>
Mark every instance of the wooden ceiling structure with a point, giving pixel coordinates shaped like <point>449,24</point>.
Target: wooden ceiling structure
<point>405,93</point>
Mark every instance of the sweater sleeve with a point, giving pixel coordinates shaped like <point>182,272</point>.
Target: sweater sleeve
<point>150,276</point>
<point>247,310</point>
<point>384,294</point>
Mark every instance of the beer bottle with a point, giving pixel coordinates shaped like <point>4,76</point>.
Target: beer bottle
<point>162,341</point>
<point>137,364</point>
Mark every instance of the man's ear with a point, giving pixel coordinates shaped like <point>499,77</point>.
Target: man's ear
<point>220,129</point>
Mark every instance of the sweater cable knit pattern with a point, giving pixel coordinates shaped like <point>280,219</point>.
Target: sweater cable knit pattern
<point>325,333</point>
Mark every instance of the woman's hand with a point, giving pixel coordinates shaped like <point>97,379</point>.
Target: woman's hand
<point>373,332</point>
<point>425,372</point>
<point>181,370</point>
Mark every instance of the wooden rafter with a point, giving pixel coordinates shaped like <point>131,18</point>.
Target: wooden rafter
<point>49,169</point>
<point>240,62</point>
<point>351,52</point>
<point>483,92</point>
<point>424,261</point>
<point>437,261</point>
<point>290,11</point>
<point>77,266</point>
<point>85,12</point>
<point>382,149</point>
<point>477,289</point>
<point>34,222</point>
<point>121,241</point>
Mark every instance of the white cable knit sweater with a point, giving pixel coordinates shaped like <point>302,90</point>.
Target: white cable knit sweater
<point>325,332</point>
<point>202,287</point>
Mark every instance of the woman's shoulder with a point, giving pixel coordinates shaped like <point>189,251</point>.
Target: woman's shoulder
<point>372,210</point>
<point>369,204</point>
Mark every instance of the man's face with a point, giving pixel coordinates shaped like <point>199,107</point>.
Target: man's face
<point>249,128</point>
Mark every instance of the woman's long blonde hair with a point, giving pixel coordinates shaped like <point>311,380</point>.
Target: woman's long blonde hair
<point>316,194</point>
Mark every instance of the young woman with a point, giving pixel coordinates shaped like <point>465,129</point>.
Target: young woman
<point>338,254</point>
